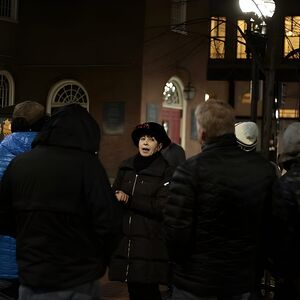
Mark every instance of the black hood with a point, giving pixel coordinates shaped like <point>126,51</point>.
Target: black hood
<point>71,127</point>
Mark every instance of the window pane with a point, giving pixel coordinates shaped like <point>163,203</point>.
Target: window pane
<point>218,35</point>
<point>241,43</point>
<point>5,8</point>
<point>292,36</point>
<point>178,16</point>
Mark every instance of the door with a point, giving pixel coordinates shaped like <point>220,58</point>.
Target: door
<point>170,119</point>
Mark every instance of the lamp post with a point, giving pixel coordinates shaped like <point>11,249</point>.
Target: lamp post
<point>260,45</point>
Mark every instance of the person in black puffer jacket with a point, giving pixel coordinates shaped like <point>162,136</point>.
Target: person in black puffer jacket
<point>141,185</point>
<point>66,219</point>
<point>284,240</point>
<point>213,220</point>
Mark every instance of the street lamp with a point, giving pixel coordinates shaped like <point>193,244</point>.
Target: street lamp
<point>261,48</point>
<point>262,8</point>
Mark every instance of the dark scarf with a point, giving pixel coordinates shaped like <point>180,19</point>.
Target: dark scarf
<point>142,162</point>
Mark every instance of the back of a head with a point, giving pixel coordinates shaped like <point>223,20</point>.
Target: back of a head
<point>71,126</point>
<point>216,117</point>
<point>246,135</point>
<point>28,116</point>
<point>290,143</point>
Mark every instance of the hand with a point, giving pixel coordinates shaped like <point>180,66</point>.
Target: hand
<point>121,196</point>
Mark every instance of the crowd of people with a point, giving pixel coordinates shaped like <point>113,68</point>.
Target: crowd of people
<point>207,227</point>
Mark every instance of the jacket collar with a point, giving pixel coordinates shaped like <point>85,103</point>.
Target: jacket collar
<point>225,140</point>
<point>154,169</point>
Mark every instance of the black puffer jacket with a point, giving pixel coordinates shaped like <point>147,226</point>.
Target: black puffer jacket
<point>142,255</point>
<point>213,218</point>
<point>285,226</point>
<point>63,204</point>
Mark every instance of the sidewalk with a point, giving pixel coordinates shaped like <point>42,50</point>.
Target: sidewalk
<point>113,290</point>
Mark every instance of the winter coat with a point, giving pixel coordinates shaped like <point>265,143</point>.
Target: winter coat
<point>12,145</point>
<point>62,203</point>
<point>142,256</point>
<point>213,218</point>
<point>285,226</point>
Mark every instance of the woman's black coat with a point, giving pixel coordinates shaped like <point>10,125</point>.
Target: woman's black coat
<point>142,255</point>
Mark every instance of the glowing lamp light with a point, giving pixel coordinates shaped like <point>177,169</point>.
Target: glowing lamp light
<point>262,8</point>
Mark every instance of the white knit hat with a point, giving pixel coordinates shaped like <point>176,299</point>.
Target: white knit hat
<point>291,142</point>
<point>246,135</point>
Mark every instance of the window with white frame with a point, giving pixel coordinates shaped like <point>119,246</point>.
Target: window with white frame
<point>8,9</point>
<point>178,16</point>
<point>6,89</point>
<point>67,92</point>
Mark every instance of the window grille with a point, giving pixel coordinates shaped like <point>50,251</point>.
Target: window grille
<point>67,92</point>
<point>178,16</point>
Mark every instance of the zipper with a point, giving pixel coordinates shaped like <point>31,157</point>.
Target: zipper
<point>129,227</point>
<point>134,184</point>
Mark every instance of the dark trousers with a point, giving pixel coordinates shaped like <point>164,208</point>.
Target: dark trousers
<point>87,291</point>
<point>184,295</point>
<point>143,291</point>
<point>9,289</point>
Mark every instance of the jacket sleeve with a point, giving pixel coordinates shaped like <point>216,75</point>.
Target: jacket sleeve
<point>152,206</point>
<point>179,214</point>
<point>7,224</point>
<point>105,212</point>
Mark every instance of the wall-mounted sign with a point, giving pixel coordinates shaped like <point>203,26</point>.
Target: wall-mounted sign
<point>113,117</point>
<point>152,112</point>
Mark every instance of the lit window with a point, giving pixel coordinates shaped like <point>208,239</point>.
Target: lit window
<point>292,37</point>
<point>217,37</point>
<point>288,113</point>
<point>241,42</point>
<point>8,9</point>
<point>6,89</point>
<point>178,16</point>
<point>67,92</point>
<point>172,94</point>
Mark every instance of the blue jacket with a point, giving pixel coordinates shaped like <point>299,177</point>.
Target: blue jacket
<point>12,145</point>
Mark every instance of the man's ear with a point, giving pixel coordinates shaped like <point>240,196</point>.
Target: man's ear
<point>159,146</point>
<point>201,135</point>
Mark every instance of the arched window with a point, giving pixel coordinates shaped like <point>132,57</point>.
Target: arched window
<point>173,94</point>
<point>67,92</point>
<point>6,89</point>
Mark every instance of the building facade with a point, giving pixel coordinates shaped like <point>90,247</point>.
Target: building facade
<point>130,61</point>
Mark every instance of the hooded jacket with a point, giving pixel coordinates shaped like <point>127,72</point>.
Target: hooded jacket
<point>62,203</point>
<point>11,146</point>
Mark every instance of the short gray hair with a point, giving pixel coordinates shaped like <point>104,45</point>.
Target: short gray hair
<point>216,117</point>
